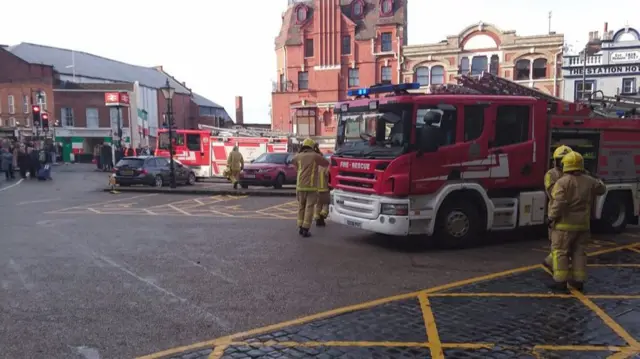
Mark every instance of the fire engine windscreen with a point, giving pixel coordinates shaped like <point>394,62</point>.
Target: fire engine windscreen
<point>379,133</point>
<point>163,140</point>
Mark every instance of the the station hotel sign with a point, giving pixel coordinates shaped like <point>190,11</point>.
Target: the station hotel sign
<point>606,70</point>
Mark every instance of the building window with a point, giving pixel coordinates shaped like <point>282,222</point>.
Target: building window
<point>437,75</point>
<point>12,104</point>
<point>303,80</point>
<point>479,65</point>
<point>629,86</point>
<point>523,70</point>
<point>464,66</point>
<point>583,92</point>
<point>386,7</point>
<point>12,122</point>
<point>25,104</point>
<point>301,14</point>
<point>93,119</point>
<point>539,69</point>
<point>66,115</point>
<point>116,118</point>
<point>354,78</point>
<point>41,100</point>
<point>512,125</point>
<point>305,122</point>
<point>283,83</point>
<point>494,64</point>
<point>385,74</point>
<point>308,47</point>
<point>346,45</point>
<point>358,8</point>
<point>386,45</point>
<point>422,75</point>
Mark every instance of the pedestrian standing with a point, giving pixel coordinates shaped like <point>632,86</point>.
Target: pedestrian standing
<point>235,164</point>
<point>306,163</point>
<point>569,218</point>
<point>550,179</point>
<point>23,161</point>
<point>6,157</point>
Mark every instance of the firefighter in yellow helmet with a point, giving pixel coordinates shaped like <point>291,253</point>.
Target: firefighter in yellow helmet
<point>306,163</point>
<point>322,206</point>
<point>550,178</point>
<point>570,218</point>
<point>235,164</point>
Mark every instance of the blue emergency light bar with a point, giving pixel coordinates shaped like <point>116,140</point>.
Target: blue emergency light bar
<point>383,89</point>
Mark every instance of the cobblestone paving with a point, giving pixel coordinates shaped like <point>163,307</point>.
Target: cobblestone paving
<point>506,315</point>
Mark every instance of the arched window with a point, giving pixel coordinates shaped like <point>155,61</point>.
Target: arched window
<point>437,75</point>
<point>422,75</point>
<point>301,14</point>
<point>479,65</point>
<point>358,8</point>
<point>523,69</point>
<point>386,7</point>
<point>464,66</point>
<point>539,68</point>
<point>494,64</point>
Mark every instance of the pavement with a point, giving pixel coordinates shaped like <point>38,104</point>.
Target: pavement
<point>88,274</point>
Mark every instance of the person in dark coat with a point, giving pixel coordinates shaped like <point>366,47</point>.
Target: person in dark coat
<point>107,158</point>
<point>23,161</point>
<point>34,162</point>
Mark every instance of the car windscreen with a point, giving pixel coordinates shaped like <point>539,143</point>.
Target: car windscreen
<point>279,158</point>
<point>130,162</point>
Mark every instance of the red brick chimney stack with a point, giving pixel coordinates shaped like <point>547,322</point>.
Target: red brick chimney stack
<point>239,111</point>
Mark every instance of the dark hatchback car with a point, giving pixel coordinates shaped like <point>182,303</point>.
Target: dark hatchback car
<point>269,169</point>
<point>152,171</point>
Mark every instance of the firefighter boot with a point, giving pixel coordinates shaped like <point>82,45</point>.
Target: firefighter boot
<point>304,232</point>
<point>235,185</point>
<point>320,222</point>
<point>558,286</point>
<point>579,286</point>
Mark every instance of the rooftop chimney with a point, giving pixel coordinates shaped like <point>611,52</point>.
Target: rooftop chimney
<point>239,111</point>
<point>159,68</point>
<point>606,27</point>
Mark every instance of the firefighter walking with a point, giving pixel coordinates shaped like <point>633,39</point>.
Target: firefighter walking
<point>307,162</point>
<point>322,206</point>
<point>569,218</point>
<point>550,179</point>
<point>235,164</point>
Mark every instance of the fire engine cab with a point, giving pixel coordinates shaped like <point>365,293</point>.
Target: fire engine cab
<point>206,150</point>
<point>470,158</point>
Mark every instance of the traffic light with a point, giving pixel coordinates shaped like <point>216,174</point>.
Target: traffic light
<point>45,121</point>
<point>35,111</point>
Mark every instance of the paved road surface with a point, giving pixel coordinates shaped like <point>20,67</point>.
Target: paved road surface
<point>86,274</point>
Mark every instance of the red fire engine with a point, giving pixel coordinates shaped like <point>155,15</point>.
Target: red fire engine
<point>471,158</point>
<point>206,150</point>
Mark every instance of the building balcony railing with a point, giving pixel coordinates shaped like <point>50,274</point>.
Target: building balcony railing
<point>578,60</point>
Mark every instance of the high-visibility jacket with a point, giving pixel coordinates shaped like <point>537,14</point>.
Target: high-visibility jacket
<point>306,163</point>
<point>573,196</point>
<point>323,173</point>
<point>550,178</point>
<point>235,162</point>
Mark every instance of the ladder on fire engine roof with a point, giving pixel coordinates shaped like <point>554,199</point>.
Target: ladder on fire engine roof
<point>239,131</point>
<point>614,106</point>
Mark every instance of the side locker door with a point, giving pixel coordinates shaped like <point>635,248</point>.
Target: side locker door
<point>205,152</point>
<point>512,149</point>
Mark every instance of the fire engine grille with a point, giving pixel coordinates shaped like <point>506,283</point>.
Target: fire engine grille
<point>356,184</point>
<point>357,174</point>
<point>357,206</point>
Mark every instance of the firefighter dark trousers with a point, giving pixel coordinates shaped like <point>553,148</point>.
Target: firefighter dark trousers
<point>568,255</point>
<point>322,206</point>
<point>306,205</point>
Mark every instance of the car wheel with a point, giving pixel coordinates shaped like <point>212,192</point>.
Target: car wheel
<point>191,179</point>
<point>158,181</point>
<point>279,181</point>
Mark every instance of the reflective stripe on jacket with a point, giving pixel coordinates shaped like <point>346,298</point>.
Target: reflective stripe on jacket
<point>307,163</point>
<point>573,196</point>
<point>323,186</point>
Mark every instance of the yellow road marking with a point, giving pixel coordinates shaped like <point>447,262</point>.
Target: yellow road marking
<point>615,265</point>
<point>101,203</point>
<point>531,295</point>
<point>94,211</point>
<point>635,250</point>
<point>624,354</point>
<point>218,352</point>
<point>612,249</point>
<point>617,328</point>
<point>226,340</point>
<point>432,330</point>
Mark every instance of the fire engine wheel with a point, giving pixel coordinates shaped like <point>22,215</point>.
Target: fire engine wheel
<point>458,224</point>
<point>158,182</point>
<point>614,214</point>
<point>279,181</point>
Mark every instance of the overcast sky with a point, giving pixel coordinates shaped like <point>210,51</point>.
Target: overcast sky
<point>223,48</point>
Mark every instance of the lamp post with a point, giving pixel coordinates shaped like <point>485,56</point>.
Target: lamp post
<point>168,92</point>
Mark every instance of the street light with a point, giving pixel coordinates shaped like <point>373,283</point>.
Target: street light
<point>167,92</point>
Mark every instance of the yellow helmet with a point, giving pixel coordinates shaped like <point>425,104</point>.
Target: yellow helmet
<point>573,161</point>
<point>308,143</point>
<point>561,151</point>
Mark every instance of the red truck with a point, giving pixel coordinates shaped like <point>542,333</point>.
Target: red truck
<point>471,158</point>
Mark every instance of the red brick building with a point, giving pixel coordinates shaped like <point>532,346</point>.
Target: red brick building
<point>22,84</point>
<point>326,47</point>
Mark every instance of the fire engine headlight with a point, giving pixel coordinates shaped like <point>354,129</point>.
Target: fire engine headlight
<point>394,209</point>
